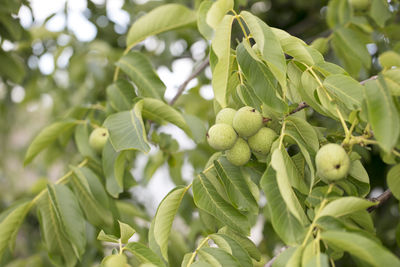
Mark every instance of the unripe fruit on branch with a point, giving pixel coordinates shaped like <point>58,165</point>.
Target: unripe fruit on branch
<point>332,162</point>
<point>240,153</point>
<point>98,139</point>
<point>261,142</point>
<point>225,115</point>
<point>247,121</point>
<point>221,136</point>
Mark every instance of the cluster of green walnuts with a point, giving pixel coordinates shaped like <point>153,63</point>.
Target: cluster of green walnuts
<point>239,133</point>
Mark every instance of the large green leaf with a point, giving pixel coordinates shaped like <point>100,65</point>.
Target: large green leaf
<point>361,247</point>
<point>92,196</point>
<point>237,188</point>
<point>127,130</point>
<point>380,12</point>
<point>218,257</point>
<point>208,199</point>
<point>285,224</point>
<point>393,180</point>
<point>305,131</point>
<point>82,142</point>
<point>11,67</point>
<point>46,137</point>
<point>144,254</point>
<point>202,25</point>
<point>221,45</point>
<point>160,112</point>
<point>161,19</point>
<point>281,166</point>
<point>261,80</point>
<point>162,222</point>
<point>232,247</point>
<point>382,113</point>
<point>114,172</point>
<point>10,224</point>
<point>217,11</point>
<point>69,216</point>
<point>392,79</point>
<point>345,89</point>
<point>344,206</point>
<point>139,69</point>
<point>269,46</point>
<point>120,95</point>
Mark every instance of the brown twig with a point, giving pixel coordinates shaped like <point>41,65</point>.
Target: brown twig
<point>301,106</point>
<point>369,79</point>
<point>382,198</point>
<point>181,88</point>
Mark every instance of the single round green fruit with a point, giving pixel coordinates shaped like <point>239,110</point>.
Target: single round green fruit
<point>221,136</point>
<point>247,121</point>
<point>225,115</point>
<point>116,260</point>
<point>332,162</point>
<point>261,142</point>
<point>359,4</point>
<point>98,139</point>
<point>239,154</point>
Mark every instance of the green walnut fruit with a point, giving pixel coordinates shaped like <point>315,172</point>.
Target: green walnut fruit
<point>332,162</point>
<point>98,139</point>
<point>239,154</point>
<point>261,142</point>
<point>117,260</point>
<point>221,136</point>
<point>225,115</point>
<point>247,121</point>
<point>359,4</point>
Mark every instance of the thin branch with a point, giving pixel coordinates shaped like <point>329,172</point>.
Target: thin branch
<point>382,198</point>
<point>181,88</point>
<point>369,79</point>
<point>301,106</point>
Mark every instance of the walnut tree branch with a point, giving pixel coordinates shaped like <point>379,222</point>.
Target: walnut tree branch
<point>181,88</point>
<point>382,198</point>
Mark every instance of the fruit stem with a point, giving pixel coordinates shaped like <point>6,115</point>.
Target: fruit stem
<point>197,249</point>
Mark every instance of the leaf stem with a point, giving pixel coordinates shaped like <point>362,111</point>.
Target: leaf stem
<point>282,134</point>
<point>197,249</point>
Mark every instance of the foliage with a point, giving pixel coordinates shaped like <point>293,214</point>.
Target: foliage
<point>334,90</point>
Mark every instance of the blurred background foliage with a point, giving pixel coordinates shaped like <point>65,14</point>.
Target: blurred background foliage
<point>66,59</point>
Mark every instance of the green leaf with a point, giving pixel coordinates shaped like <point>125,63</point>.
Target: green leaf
<point>217,12</point>
<point>393,180</point>
<point>339,13</point>
<point>392,80</point>
<point>379,11</point>
<point>358,172</point>
<point>288,228</point>
<point>218,257</point>
<point>202,25</point>
<point>389,59</point>
<point>11,67</point>
<point>166,212</point>
<point>319,260</point>
<point>144,254</point>
<point>305,131</point>
<point>261,80</point>
<point>108,238</point>
<point>269,46</point>
<point>126,232</point>
<point>10,225</point>
<point>361,247</point>
<point>232,247</point>
<point>382,113</point>
<point>344,206</point>
<point>127,130</point>
<point>82,142</point>
<point>207,198</point>
<point>161,19</point>
<point>237,188</point>
<point>280,165</point>
<point>120,95</point>
<point>139,69</point>
<point>244,242</point>
<point>196,126</point>
<point>46,137</point>
<point>114,168</point>
<point>345,89</point>
<point>221,45</point>
<point>92,196</point>
<point>160,112</point>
